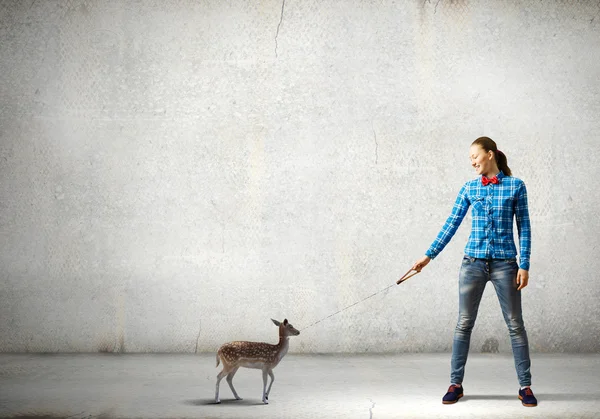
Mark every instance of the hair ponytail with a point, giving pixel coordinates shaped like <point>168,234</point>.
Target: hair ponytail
<point>502,162</point>
<point>490,145</point>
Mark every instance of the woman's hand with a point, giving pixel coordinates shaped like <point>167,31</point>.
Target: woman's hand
<point>522,279</point>
<point>421,263</point>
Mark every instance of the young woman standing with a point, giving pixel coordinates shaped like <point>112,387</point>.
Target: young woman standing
<point>490,255</point>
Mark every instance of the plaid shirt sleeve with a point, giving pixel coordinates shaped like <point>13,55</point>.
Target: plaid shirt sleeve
<point>459,210</point>
<point>523,227</point>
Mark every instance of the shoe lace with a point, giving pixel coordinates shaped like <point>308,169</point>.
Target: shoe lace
<point>528,392</point>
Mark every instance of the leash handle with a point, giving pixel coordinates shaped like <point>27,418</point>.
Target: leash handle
<point>406,276</point>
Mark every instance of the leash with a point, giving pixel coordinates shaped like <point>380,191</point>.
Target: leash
<point>398,282</point>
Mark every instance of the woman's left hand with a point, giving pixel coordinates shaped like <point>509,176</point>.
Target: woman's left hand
<point>522,279</point>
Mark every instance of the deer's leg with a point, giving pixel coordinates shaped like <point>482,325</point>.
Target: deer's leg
<point>230,382</point>
<point>264,399</point>
<point>272,379</point>
<point>219,378</point>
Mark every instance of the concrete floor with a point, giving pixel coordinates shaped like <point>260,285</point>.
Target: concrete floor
<point>306,386</point>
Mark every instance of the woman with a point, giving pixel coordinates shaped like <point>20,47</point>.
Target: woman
<point>490,255</point>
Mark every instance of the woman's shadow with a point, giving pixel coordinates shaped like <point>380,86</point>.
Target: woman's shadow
<point>542,397</point>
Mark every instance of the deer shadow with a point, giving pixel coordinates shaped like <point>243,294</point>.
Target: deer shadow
<point>228,402</point>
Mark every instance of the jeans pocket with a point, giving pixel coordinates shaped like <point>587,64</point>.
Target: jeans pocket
<point>511,265</point>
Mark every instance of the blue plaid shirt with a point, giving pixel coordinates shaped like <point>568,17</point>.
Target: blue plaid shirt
<point>494,207</point>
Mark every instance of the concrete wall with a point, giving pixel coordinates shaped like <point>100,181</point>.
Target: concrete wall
<point>176,173</point>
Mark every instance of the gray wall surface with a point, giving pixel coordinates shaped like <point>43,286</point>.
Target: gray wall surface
<point>173,174</point>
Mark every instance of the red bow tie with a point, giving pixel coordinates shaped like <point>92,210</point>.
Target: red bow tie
<point>485,181</point>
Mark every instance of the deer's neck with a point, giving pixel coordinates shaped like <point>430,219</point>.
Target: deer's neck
<point>283,345</point>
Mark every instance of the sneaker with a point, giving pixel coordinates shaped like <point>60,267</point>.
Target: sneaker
<point>527,398</point>
<point>454,393</point>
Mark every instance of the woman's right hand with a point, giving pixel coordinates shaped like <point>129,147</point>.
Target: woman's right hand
<point>421,263</point>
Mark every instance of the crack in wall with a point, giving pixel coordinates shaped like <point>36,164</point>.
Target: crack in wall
<point>198,337</point>
<point>279,25</point>
<point>371,409</point>
<point>436,5</point>
<point>376,144</point>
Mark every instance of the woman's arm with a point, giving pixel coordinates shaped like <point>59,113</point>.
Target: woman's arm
<point>523,227</point>
<point>459,210</point>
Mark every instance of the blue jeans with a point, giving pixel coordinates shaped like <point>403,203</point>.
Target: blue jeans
<point>474,275</point>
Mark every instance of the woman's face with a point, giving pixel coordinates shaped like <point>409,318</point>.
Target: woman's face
<point>480,160</point>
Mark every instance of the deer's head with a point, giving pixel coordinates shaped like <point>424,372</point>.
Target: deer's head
<point>286,328</point>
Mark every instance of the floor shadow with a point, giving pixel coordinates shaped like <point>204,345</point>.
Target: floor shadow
<point>567,397</point>
<point>466,397</point>
<point>542,397</point>
<point>228,402</point>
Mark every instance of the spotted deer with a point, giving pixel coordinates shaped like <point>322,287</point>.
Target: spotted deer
<point>257,355</point>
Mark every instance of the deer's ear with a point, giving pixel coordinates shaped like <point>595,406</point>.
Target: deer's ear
<point>276,322</point>
<point>285,322</point>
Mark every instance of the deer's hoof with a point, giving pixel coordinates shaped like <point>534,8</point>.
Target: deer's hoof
<point>217,401</point>
<point>239,398</point>
<point>266,401</point>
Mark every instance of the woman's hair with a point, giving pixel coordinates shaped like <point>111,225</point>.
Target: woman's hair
<point>490,145</point>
